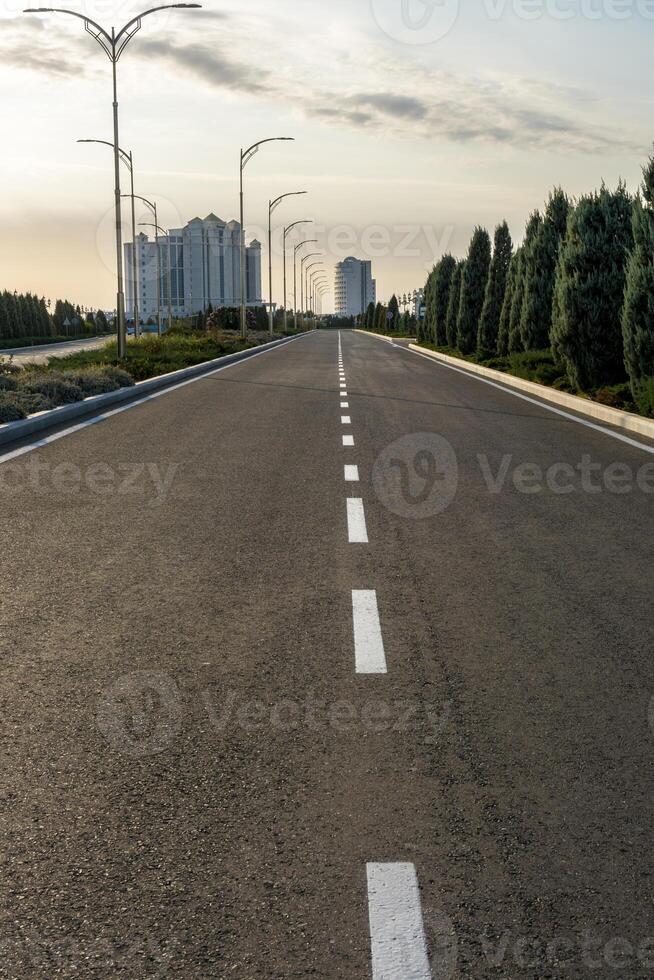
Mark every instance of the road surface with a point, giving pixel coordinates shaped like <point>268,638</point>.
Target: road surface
<point>334,678</point>
<point>42,353</point>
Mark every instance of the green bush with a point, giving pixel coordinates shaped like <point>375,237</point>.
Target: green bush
<point>645,397</point>
<point>9,410</point>
<point>94,382</point>
<point>55,387</point>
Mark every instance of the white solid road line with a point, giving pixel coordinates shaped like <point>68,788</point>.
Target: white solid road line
<point>357,532</point>
<point>397,932</point>
<point>369,653</point>
<point>351,474</point>
<point>348,440</point>
<point>346,420</point>
<point>39,443</point>
<point>534,401</point>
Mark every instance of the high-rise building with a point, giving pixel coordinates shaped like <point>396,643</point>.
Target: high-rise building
<point>205,262</point>
<point>354,287</point>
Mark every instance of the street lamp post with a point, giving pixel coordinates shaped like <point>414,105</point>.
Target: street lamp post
<point>307,241</point>
<point>302,280</point>
<point>153,208</point>
<point>127,159</point>
<point>246,156</point>
<point>163,231</point>
<point>288,228</point>
<point>315,282</point>
<point>272,205</point>
<point>305,283</point>
<point>113,44</point>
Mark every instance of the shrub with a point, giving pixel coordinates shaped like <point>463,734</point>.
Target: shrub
<point>9,410</point>
<point>122,378</point>
<point>7,383</point>
<point>645,397</point>
<point>55,387</point>
<point>91,382</point>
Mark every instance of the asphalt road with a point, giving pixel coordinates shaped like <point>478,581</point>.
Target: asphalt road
<point>239,744</point>
<point>42,353</point>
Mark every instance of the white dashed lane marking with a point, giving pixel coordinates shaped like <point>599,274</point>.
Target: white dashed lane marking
<point>397,932</point>
<point>369,653</point>
<point>351,474</point>
<point>348,440</point>
<point>357,532</point>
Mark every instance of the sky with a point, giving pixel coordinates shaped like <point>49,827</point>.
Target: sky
<point>413,122</point>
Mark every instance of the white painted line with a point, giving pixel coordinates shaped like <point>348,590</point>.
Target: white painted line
<point>534,401</point>
<point>357,531</point>
<point>46,440</point>
<point>351,474</point>
<point>348,440</point>
<point>345,404</point>
<point>369,653</point>
<point>343,386</point>
<point>346,420</point>
<point>397,932</point>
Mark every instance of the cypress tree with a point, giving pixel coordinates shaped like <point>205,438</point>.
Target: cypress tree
<point>590,286</point>
<point>428,326</point>
<point>101,321</point>
<point>442,286</point>
<point>507,305</point>
<point>638,308</point>
<point>370,316</point>
<point>473,290</point>
<point>394,310</point>
<point>489,325</point>
<point>4,317</point>
<point>540,271</point>
<point>454,303</point>
<point>515,323</point>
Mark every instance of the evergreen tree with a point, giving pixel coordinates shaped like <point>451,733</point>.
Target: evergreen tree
<point>590,286</point>
<point>515,322</point>
<point>4,318</point>
<point>473,290</point>
<point>442,286</point>
<point>394,310</point>
<point>12,314</point>
<point>45,323</point>
<point>426,329</point>
<point>489,325</point>
<point>540,271</point>
<point>454,303</point>
<point>370,316</point>
<point>638,308</point>
<point>101,321</point>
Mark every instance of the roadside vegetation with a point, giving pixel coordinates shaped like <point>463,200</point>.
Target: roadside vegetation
<point>29,388</point>
<point>572,307</point>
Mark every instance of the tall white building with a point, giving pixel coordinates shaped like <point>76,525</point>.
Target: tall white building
<point>205,262</point>
<point>354,287</point>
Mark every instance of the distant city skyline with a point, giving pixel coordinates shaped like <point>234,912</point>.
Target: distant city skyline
<point>403,146</point>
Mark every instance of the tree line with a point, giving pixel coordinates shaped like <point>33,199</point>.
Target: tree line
<point>580,285</point>
<point>387,319</point>
<point>25,316</point>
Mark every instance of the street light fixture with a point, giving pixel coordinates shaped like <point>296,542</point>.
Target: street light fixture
<point>126,157</point>
<point>307,241</point>
<point>113,44</point>
<point>305,221</point>
<point>246,156</point>
<point>306,281</point>
<point>302,293</point>
<point>163,231</point>
<point>272,205</point>
<point>153,208</point>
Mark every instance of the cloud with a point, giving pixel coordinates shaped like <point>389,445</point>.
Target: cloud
<point>374,91</point>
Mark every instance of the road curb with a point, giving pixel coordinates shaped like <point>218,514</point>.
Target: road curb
<point>583,406</point>
<point>12,431</point>
<point>380,336</point>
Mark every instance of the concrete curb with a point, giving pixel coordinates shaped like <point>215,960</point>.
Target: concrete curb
<point>380,336</point>
<point>12,431</point>
<point>583,406</point>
